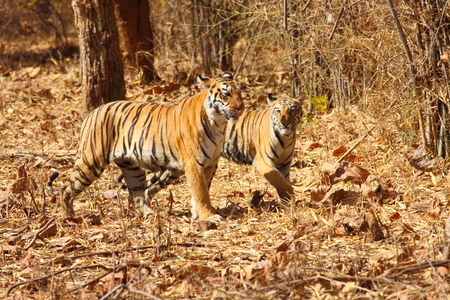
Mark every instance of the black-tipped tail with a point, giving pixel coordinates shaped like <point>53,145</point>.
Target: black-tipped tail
<point>120,183</point>
<point>50,183</point>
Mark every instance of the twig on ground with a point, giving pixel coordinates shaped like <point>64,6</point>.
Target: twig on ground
<point>396,272</point>
<point>445,249</point>
<point>106,268</point>
<point>36,235</point>
<point>126,287</point>
<point>386,111</point>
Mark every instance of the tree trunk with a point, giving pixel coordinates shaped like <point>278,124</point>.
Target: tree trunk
<point>136,36</point>
<point>101,67</point>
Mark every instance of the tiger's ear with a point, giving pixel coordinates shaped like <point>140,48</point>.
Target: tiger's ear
<point>204,81</point>
<point>227,75</point>
<point>271,98</point>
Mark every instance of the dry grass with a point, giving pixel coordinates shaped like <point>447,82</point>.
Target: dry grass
<point>304,250</point>
<point>318,246</point>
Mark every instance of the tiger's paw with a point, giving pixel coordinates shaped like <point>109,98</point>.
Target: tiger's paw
<point>215,218</point>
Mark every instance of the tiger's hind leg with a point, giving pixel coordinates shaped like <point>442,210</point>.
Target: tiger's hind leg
<point>155,184</point>
<point>158,182</point>
<point>81,177</point>
<point>135,178</point>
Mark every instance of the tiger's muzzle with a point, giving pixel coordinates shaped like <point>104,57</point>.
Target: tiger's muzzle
<point>232,115</point>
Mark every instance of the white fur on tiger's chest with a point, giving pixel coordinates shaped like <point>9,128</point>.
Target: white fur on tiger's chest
<point>283,152</point>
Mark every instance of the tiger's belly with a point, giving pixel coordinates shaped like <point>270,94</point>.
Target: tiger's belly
<point>161,161</point>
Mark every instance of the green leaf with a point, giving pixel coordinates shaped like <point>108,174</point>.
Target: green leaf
<point>320,102</point>
<point>32,3</point>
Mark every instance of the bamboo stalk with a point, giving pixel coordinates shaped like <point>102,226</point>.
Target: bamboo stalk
<point>337,20</point>
<point>411,67</point>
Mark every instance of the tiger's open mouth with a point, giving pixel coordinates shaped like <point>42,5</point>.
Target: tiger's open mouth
<point>239,113</point>
<point>236,114</point>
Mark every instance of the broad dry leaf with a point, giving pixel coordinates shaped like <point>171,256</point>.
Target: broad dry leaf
<point>345,171</point>
<point>4,196</point>
<point>340,196</point>
<point>308,145</point>
<point>59,163</point>
<point>309,179</point>
<point>109,194</point>
<point>198,270</point>
<point>422,207</point>
<point>64,243</point>
<point>97,237</point>
<point>339,151</point>
<point>419,160</point>
<point>29,260</point>
<point>318,193</point>
<point>374,226</point>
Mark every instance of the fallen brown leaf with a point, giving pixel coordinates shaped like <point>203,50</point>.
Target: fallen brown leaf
<point>309,145</point>
<point>345,171</point>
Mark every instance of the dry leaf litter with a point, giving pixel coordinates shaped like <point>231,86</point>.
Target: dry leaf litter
<point>370,226</point>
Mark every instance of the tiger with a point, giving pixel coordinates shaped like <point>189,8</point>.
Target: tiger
<point>266,139</point>
<point>169,140</point>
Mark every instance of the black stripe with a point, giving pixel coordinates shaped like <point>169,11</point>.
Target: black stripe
<point>126,104</point>
<point>153,156</point>
<point>204,122</point>
<point>277,134</point>
<point>201,164</point>
<point>169,142</point>
<point>204,152</point>
<point>268,156</point>
<point>148,122</point>
<point>161,136</point>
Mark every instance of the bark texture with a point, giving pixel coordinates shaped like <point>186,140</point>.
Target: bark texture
<point>136,36</point>
<point>101,66</point>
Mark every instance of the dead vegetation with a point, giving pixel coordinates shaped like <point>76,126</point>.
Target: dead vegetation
<point>367,223</point>
<point>369,226</point>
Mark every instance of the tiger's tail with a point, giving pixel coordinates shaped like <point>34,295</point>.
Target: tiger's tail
<point>50,183</point>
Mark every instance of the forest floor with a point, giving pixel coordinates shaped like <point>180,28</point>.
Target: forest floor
<point>369,227</point>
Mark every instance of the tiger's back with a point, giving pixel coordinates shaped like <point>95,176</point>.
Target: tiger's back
<point>266,139</point>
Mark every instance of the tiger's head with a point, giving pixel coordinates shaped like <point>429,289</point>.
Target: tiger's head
<point>224,96</point>
<point>285,114</point>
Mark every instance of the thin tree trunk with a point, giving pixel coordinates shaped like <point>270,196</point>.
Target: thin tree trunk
<point>101,67</point>
<point>136,36</point>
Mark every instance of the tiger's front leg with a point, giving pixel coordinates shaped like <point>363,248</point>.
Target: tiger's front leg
<point>201,202</point>
<point>274,177</point>
<point>209,174</point>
